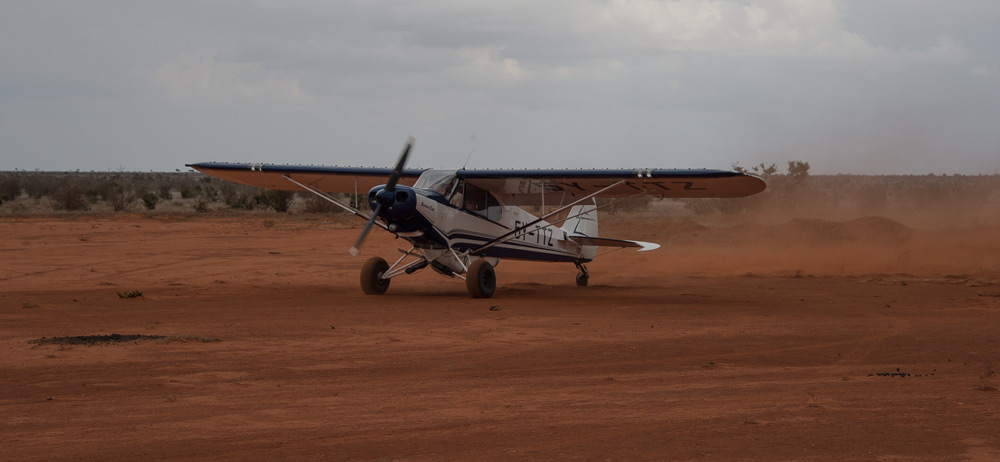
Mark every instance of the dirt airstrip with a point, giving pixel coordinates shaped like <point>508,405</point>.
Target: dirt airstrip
<point>799,338</point>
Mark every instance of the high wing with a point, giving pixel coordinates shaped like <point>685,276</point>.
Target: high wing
<point>537,187</point>
<point>324,178</point>
<point>511,187</point>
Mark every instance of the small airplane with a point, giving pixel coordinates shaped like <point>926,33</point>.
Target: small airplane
<point>460,223</point>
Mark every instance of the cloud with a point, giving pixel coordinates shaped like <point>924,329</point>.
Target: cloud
<point>947,48</point>
<point>487,67</point>
<point>556,83</point>
<point>487,47</point>
<point>202,77</point>
<point>981,71</point>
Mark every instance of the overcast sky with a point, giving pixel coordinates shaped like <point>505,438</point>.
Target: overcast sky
<point>867,86</point>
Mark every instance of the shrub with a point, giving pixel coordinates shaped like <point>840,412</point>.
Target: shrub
<point>69,197</point>
<point>165,193</point>
<point>150,200</point>
<point>10,188</point>
<point>798,170</point>
<point>119,198</point>
<point>277,199</point>
<point>210,193</point>
<point>237,196</point>
<point>242,202</point>
<point>760,170</point>
<point>39,186</point>
<point>316,204</point>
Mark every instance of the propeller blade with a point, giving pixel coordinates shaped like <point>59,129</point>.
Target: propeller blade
<point>389,186</point>
<point>398,171</point>
<point>356,248</point>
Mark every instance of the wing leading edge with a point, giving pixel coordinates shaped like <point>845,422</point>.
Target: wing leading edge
<point>323,178</point>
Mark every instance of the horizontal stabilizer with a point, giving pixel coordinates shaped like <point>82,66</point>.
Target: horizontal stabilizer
<point>605,242</point>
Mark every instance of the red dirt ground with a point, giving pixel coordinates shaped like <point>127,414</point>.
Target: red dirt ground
<point>735,341</point>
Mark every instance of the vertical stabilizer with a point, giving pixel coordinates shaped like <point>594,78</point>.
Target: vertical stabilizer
<point>583,222</point>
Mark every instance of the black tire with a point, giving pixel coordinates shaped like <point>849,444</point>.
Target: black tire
<point>582,279</point>
<point>481,280</point>
<point>371,276</point>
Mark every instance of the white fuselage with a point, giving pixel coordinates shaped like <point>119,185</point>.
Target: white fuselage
<point>464,230</point>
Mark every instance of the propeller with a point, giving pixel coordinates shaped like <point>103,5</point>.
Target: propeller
<point>390,186</point>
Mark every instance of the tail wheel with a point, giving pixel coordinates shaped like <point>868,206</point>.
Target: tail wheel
<point>371,276</point>
<point>481,280</point>
<point>583,277</point>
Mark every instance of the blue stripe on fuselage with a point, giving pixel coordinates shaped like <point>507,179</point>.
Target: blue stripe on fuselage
<point>511,249</point>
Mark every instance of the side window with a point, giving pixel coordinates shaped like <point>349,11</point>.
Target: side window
<point>475,199</point>
<point>481,203</point>
<point>493,208</point>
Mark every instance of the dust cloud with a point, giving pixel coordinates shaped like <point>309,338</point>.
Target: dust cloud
<point>912,232</point>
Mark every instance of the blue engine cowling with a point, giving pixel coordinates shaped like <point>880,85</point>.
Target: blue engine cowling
<point>399,207</point>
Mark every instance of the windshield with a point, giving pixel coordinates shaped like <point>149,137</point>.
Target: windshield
<point>438,181</point>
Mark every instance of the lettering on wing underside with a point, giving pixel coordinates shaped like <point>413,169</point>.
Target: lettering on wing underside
<point>535,186</point>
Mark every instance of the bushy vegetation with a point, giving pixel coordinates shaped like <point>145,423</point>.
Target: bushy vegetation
<point>150,200</point>
<point>790,189</point>
<point>278,200</point>
<point>46,192</point>
<point>10,188</point>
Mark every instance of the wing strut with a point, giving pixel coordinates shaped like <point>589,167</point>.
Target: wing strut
<point>510,235</point>
<point>331,200</point>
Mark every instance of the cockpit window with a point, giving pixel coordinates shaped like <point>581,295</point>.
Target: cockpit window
<point>460,194</point>
<point>439,181</point>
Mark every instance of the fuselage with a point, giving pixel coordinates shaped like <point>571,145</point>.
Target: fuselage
<point>441,212</point>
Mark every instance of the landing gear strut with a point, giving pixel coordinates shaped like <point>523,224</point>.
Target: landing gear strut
<point>583,277</point>
<point>480,279</point>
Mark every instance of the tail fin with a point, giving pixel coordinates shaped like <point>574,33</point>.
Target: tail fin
<point>583,222</point>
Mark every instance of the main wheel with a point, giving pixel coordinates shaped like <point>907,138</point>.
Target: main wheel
<point>481,280</point>
<point>582,279</point>
<point>371,276</point>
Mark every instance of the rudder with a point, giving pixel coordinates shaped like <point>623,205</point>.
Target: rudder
<point>583,222</point>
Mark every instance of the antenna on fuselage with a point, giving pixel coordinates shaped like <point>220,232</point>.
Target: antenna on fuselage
<point>469,157</point>
<point>473,138</point>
